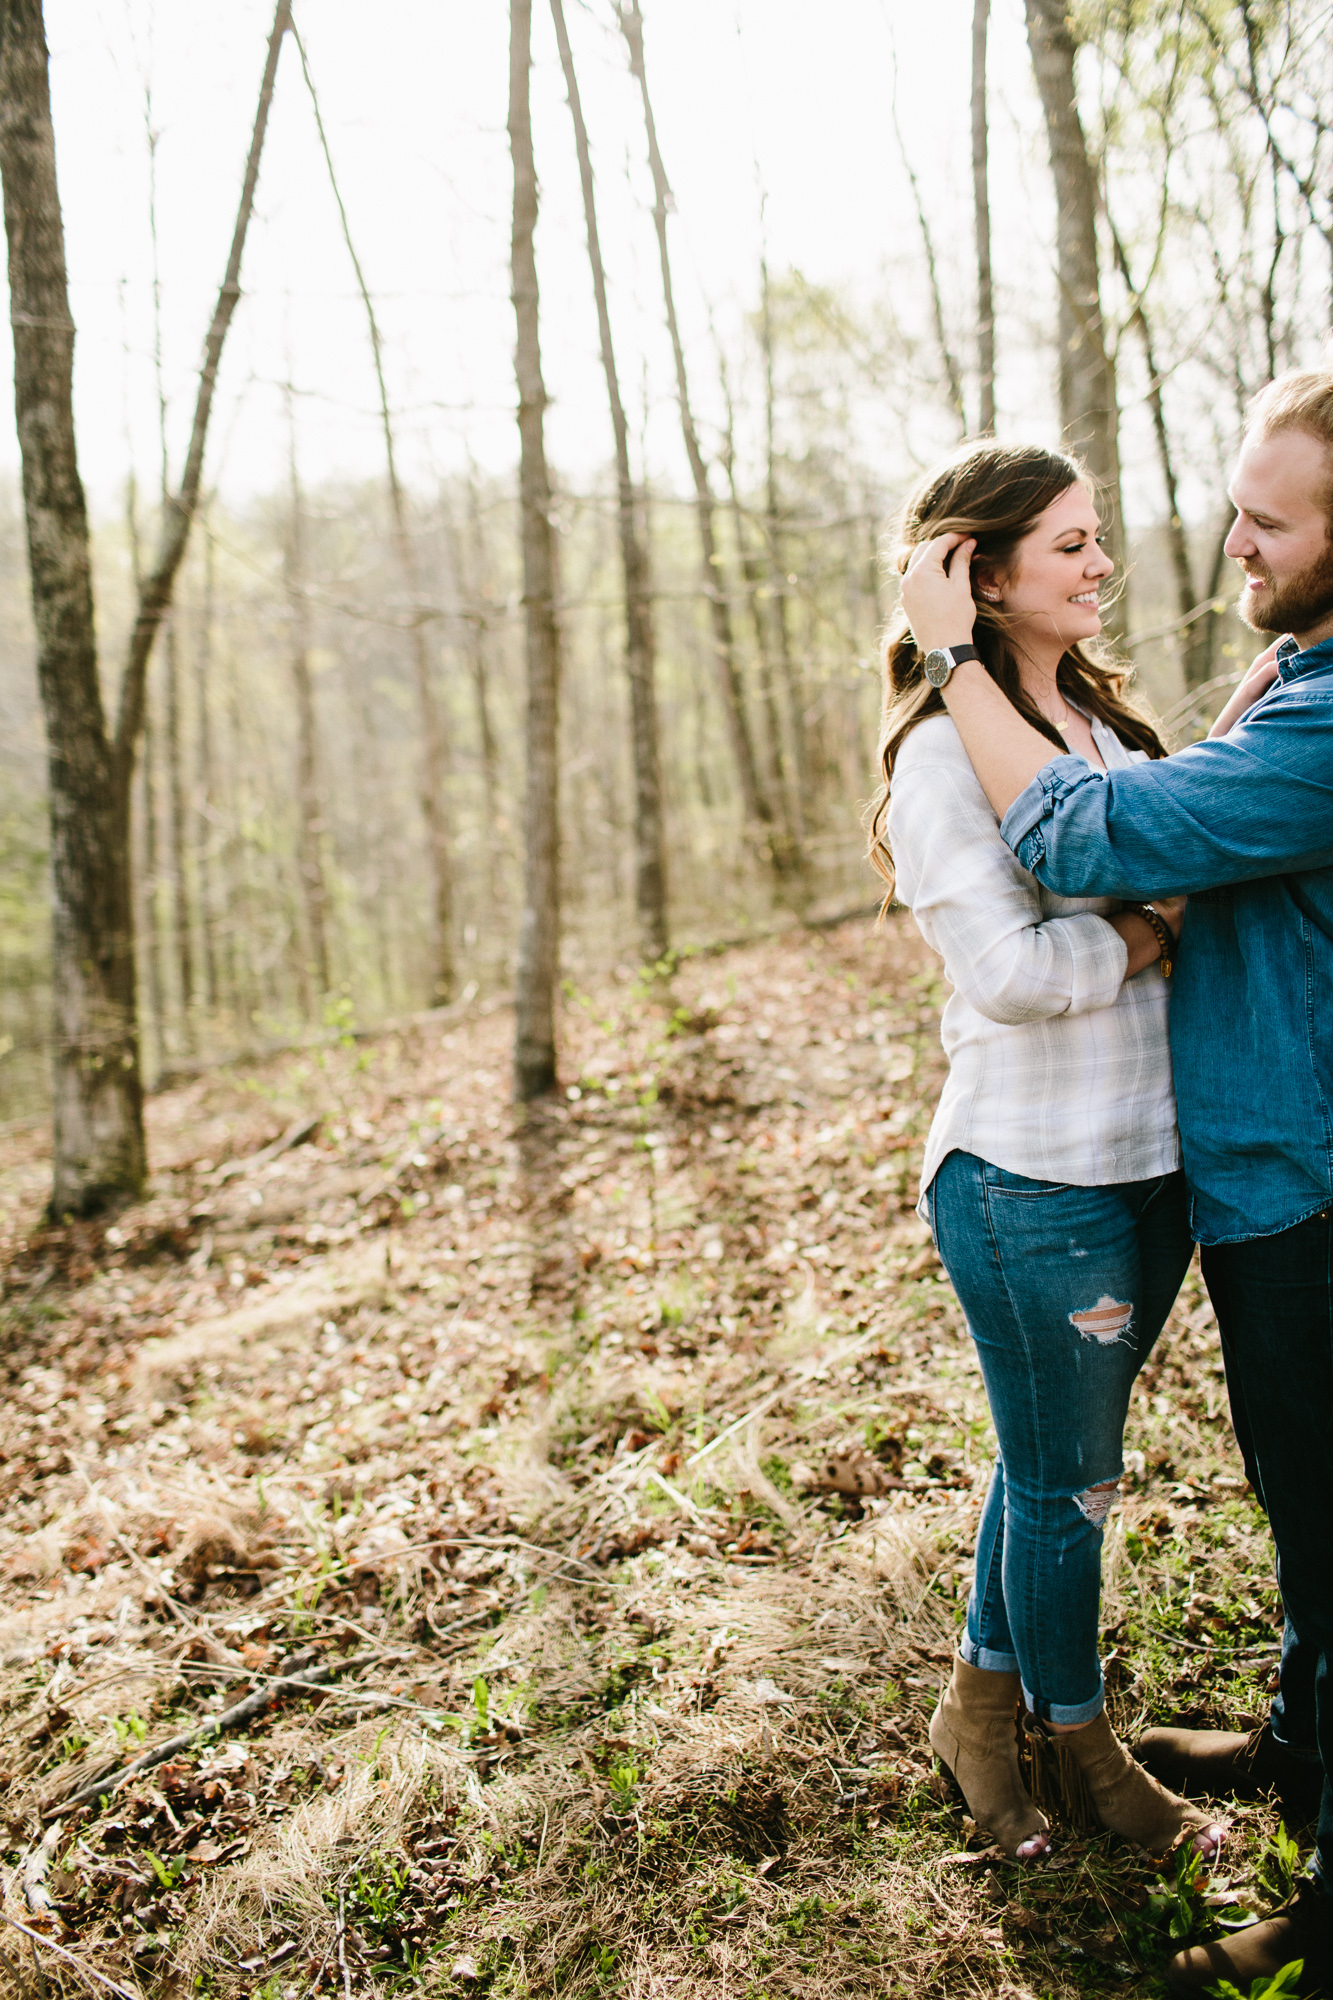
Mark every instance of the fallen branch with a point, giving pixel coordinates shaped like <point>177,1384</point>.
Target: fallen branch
<point>125,1992</point>
<point>342,1947</point>
<point>244,1711</point>
<point>295,1135</point>
<point>682,1500</point>
<point>284,1585</point>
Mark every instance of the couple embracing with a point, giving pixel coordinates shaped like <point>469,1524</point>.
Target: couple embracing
<point>1140,1040</point>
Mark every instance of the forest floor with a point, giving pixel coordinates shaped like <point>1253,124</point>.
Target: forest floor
<point>513,1436</point>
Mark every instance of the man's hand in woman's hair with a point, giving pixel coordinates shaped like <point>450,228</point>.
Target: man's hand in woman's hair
<point>937,592</point>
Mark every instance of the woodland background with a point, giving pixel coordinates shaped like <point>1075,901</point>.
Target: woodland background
<point>281,857</point>
<point>524,1542</point>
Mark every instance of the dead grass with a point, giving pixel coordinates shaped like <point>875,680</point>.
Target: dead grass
<point>648,1718</point>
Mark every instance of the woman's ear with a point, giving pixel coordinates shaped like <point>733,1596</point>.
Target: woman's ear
<point>984,584</point>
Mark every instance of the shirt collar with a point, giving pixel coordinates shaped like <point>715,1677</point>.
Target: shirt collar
<point>1293,664</point>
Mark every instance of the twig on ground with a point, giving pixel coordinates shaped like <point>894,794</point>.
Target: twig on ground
<point>295,1135</point>
<point>681,1500</point>
<point>342,1947</point>
<point>281,1585</point>
<point>244,1711</point>
<point>89,1971</point>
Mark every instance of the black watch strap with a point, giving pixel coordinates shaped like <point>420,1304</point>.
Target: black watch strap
<point>940,662</point>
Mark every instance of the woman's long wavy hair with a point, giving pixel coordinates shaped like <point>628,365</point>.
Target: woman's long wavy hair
<point>996,492</point>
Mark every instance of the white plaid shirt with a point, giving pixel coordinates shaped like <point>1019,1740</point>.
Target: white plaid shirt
<point>1058,1065</point>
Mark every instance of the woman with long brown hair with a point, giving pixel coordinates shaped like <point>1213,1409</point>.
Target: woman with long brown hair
<point>1052,1179</point>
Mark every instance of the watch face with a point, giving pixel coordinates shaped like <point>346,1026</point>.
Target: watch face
<point>938,668</point>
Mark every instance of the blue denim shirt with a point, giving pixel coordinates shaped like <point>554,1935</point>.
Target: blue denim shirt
<point>1243,825</point>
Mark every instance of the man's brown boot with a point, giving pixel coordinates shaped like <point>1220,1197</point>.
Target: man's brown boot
<point>974,1733</point>
<point>1219,1764</point>
<point>1302,1929</point>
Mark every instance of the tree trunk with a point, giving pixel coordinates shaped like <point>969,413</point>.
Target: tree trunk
<point>783,840</point>
<point>476,597</point>
<point>180,508</point>
<point>144,820</point>
<point>97,1088</point>
<point>310,815</point>
<point>1195,648</point>
<point>953,374</point>
<point>539,932</point>
<point>97,1093</point>
<point>981,212</point>
<point>757,806</point>
<point>1089,416</point>
<point>180,894</point>
<point>206,817</point>
<point>650,879</point>
<point>434,753</point>
<point>792,680</point>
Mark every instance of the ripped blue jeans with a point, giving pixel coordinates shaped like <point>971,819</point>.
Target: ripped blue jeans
<point>1065,1291</point>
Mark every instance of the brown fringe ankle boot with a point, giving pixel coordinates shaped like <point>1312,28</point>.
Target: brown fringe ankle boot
<point>974,1734</point>
<point>1090,1779</point>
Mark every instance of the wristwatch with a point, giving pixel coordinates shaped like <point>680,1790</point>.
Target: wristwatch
<point>942,660</point>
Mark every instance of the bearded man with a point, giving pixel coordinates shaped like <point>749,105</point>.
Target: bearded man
<point>1243,825</point>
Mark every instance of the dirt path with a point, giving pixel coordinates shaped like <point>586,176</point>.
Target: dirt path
<point>537,1420</point>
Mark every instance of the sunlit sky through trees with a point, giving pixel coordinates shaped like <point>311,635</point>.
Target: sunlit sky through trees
<point>752,97</point>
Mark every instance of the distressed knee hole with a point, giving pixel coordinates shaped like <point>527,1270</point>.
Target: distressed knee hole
<point>1107,1322</point>
<point>1096,1503</point>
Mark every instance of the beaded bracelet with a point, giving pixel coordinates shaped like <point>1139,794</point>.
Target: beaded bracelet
<point>1164,938</point>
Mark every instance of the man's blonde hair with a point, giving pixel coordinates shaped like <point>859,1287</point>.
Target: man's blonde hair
<point>1300,400</point>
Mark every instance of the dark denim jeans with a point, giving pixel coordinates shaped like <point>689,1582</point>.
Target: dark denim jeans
<point>1065,1291</point>
<point>1274,1302</point>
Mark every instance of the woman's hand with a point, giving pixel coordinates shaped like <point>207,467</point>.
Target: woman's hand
<point>937,592</point>
<point>1262,674</point>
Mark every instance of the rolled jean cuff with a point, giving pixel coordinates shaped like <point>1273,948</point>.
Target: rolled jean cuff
<point>983,1657</point>
<point>1290,1749</point>
<point>1071,1713</point>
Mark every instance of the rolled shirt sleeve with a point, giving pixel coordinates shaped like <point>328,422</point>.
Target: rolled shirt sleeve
<point>1258,802</point>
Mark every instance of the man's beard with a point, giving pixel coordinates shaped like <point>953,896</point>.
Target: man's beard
<point>1297,605</point>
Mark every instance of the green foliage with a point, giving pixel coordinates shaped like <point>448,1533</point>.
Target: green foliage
<point>168,1873</point>
<point>777,1471</point>
<point>1282,1985</point>
<point>340,1016</point>
<point>807,1916</point>
<point>1179,1907</point>
<point>68,1747</point>
<point>624,1779</point>
<point>378,1889</point>
<point>603,1963</point>
<point>1279,1860</point>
